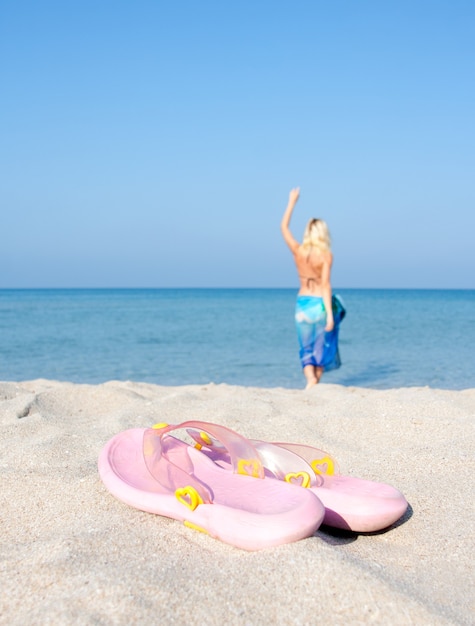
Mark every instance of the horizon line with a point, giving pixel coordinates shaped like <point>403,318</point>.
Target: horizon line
<point>143,288</point>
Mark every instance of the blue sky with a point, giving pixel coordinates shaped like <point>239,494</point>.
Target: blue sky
<point>153,144</point>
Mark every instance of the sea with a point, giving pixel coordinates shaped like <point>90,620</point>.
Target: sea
<point>389,338</point>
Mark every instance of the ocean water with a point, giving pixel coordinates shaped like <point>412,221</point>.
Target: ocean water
<point>389,338</point>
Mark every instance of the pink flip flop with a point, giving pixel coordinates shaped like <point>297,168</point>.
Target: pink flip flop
<point>153,471</point>
<point>350,503</point>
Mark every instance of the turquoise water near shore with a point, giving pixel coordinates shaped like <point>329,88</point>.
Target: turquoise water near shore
<point>389,338</point>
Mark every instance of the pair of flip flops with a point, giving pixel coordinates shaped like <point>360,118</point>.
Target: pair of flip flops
<point>250,494</point>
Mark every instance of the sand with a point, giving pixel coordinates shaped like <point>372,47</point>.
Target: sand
<point>73,554</point>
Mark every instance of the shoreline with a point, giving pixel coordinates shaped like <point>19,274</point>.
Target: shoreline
<point>73,554</point>
<point>210,383</point>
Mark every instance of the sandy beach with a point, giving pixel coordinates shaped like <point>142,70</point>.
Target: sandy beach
<point>73,554</point>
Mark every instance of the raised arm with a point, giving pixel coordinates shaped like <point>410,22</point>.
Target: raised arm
<point>285,223</point>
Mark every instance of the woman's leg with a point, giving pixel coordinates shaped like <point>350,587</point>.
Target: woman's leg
<point>309,371</point>
<point>318,373</point>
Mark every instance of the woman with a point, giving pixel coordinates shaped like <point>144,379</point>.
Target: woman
<point>313,314</point>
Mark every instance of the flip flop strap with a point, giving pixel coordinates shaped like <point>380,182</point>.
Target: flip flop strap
<point>160,463</point>
<point>283,463</point>
<point>287,465</point>
<point>321,462</point>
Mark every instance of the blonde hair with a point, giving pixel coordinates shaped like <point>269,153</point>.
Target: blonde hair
<point>316,235</point>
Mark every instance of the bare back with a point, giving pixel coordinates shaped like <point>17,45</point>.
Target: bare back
<point>313,268</point>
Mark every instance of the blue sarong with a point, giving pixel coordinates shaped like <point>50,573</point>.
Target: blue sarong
<point>317,347</point>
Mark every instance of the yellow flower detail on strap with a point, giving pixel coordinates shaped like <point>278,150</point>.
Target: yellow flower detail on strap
<point>323,466</point>
<point>302,479</point>
<point>249,467</point>
<point>189,497</point>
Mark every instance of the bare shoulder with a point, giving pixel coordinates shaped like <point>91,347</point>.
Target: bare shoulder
<point>294,246</point>
<point>328,256</point>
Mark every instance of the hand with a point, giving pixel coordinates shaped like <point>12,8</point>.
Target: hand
<point>294,195</point>
<point>330,325</point>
